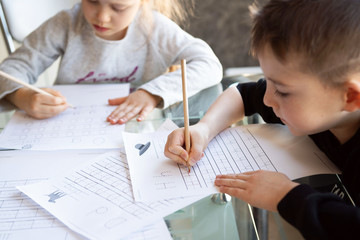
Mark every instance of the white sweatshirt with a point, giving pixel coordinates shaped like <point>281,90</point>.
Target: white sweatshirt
<point>138,59</point>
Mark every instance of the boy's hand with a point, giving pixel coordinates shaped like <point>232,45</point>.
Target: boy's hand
<point>38,105</point>
<point>262,189</point>
<point>174,147</point>
<point>139,103</point>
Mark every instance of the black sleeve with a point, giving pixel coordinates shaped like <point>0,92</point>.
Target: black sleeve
<point>320,215</point>
<point>252,94</point>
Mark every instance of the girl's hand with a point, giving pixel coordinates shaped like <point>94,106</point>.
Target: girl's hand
<point>262,189</point>
<point>139,103</point>
<point>174,147</point>
<point>38,105</point>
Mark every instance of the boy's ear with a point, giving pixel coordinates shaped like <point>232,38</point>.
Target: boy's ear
<point>352,95</point>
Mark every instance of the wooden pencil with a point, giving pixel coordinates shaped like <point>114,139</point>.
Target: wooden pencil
<point>25,84</point>
<point>186,109</point>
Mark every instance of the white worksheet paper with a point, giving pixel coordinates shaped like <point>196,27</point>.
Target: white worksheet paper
<point>235,150</point>
<point>81,127</point>
<point>20,217</point>
<point>95,199</point>
<point>92,94</point>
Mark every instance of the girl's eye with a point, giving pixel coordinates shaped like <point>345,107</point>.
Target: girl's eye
<point>116,9</point>
<point>92,1</point>
<point>281,94</point>
<point>119,9</point>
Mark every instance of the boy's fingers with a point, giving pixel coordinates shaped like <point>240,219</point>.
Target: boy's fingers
<point>240,176</point>
<point>196,154</point>
<point>179,160</point>
<point>178,151</point>
<point>238,192</point>
<point>236,183</point>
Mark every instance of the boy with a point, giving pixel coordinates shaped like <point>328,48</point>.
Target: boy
<point>310,54</point>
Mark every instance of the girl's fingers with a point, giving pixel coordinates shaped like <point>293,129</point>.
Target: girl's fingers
<point>48,111</point>
<point>53,100</point>
<point>130,113</point>
<point>117,101</point>
<point>144,112</point>
<point>117,114</point>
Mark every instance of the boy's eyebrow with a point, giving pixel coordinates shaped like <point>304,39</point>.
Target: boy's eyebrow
<point>275,81</point>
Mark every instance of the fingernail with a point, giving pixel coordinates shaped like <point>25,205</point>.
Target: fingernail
<point>192,162</point>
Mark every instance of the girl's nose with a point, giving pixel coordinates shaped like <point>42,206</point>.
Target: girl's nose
<point>103,15</point>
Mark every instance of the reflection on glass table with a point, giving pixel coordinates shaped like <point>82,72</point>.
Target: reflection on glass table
<point>212,217</point>
<point>235,219</point>
<point>220,217</point>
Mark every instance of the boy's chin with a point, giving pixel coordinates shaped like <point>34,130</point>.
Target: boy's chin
<point>297,132</point>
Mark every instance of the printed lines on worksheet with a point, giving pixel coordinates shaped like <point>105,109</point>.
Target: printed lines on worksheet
<point>18,212</point>
<point>255,150</point>
<point>228,153</point>
<point>110,180</point>
<point>73,125</point>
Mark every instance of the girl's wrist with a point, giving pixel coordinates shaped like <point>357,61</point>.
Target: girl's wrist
<point>15,96</point>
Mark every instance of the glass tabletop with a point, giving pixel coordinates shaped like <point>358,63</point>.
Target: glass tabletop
<point>219,216</point>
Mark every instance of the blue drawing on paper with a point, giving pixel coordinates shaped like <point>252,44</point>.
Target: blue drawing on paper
<point>55,195</point>
<point>26,146</point>
<point>142,147</point>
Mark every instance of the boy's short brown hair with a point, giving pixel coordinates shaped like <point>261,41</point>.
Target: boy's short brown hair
<point>324,34</point>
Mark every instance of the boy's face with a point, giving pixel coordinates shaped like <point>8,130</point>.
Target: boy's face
<point>110,18</point>
<point>300,100</point>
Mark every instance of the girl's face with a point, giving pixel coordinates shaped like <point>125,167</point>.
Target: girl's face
<point>300,100</point>
<point>110,18</point>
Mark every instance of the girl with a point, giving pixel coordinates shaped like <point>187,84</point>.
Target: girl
<point>113,41</point>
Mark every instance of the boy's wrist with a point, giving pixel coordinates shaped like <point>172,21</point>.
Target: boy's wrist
<point>205,131</point>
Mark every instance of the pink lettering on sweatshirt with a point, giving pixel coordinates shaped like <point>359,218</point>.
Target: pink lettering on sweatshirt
<point>92,77</point>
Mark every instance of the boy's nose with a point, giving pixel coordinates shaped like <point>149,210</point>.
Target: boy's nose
<point>267,99</point>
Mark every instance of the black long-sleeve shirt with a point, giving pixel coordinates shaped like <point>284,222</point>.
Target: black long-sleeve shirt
<point>315,214</point>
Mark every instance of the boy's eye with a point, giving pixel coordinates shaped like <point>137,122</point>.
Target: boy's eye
<point>92,1</point>
<point>281,94</point>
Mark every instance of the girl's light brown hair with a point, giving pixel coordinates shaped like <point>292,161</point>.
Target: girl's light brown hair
<point>323,34</point>
<point>176,10</point>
